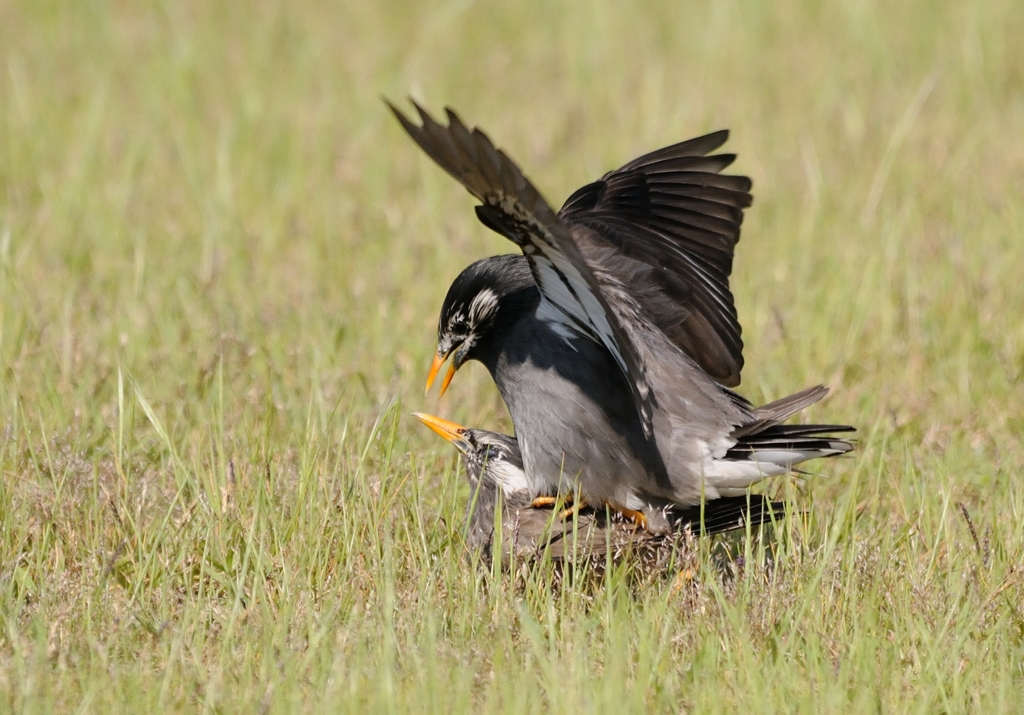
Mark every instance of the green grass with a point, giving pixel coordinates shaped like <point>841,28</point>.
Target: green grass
<point>220,267</point>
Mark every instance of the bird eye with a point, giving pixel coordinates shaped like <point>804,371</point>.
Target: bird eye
<point>457,320</point>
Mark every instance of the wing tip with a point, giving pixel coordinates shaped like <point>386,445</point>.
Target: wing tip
<point>427,121</point>
<point>399,114</point>
<point>719,135</point>
<point>418,132</point>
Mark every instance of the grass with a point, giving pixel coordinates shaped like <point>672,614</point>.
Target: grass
<point>220,266</point>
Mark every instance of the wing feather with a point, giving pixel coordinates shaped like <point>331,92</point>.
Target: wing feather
<point>571,295</point>
<point>674,211</point>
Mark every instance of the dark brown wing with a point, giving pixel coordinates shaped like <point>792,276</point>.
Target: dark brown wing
<point>572,299</point>
<point>672,221</point>
<point>538,531</point>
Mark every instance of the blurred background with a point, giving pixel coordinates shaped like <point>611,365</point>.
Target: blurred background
<point>219,253</point>
<point>193,186</point>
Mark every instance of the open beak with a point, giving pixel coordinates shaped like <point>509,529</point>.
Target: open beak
<point>451,431</point>
<point>434,368</point>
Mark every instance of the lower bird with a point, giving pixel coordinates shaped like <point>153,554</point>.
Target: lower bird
<point>613,338</point>
<point>499,493</point>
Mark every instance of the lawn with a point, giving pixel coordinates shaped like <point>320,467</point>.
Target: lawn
<point>221,262</point>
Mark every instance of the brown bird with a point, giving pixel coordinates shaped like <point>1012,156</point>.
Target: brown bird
<point>500,496</point>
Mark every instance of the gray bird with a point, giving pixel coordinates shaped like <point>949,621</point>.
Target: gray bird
<point>613,339</point>
<point>499,493</point>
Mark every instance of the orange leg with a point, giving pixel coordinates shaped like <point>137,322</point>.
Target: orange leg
<point>637,517</point>
<point>573,510</point>
<point>552,501</point>
<point>683,578</point>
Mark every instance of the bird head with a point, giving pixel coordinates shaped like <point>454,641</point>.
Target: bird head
<point>471,308</point>
<point>492,460</point>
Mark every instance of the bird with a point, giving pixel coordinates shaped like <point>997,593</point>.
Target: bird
<point>500,497</point>
<point>613,339</point>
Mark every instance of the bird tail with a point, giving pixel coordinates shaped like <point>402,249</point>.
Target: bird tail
<point>764,447</point>
<point>727,513</point>
<point>788,445</point>
<point>767,441</point>
<point>781,410</point>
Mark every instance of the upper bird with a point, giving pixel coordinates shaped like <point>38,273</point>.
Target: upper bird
<point>614,341</point>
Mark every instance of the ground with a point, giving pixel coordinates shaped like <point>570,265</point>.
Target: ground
<point>221,263</point>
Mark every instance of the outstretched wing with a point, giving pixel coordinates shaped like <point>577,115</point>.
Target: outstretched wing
<point>510,205</point>
<point>666,225</point>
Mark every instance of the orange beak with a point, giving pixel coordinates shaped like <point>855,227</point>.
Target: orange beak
<point>451,431</point>
<point>434,367</point>
<point>432,375</point>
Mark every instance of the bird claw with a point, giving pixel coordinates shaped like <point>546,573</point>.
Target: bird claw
<point>574,510</point>
<point>683,579</point>
<point>637,517</point>
<point>540,502</point>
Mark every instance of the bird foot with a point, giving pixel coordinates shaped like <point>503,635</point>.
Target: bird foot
<point>574,510</point>
<point>637,517</point>
<point>683,579</point>
<point>540,502</point>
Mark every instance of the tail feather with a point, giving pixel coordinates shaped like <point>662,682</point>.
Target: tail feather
<point>783,431</point>
<point>775,413</point>
<point>765,448</point>
<point>785,446</point>
<point>728,513</point>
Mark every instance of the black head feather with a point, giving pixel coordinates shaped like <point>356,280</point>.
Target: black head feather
<point>490,291</point>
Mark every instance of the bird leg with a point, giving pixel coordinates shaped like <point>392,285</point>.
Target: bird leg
<point>539,502</point>
<point>569,498</point>
<point>683,579</point>
<point>637,517</point>
<point>574,510</point>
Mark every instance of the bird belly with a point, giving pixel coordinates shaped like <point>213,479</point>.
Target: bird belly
<point>578,429</point>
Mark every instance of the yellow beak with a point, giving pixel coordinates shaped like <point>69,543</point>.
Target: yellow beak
<point>434,367</point>
<point>432,375</point>
<point>451,431</point>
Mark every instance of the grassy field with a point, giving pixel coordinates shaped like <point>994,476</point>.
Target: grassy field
<point>220,267</point>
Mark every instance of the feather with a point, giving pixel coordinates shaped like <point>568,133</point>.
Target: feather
<point>571,295</point>
<point>673,211</point>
